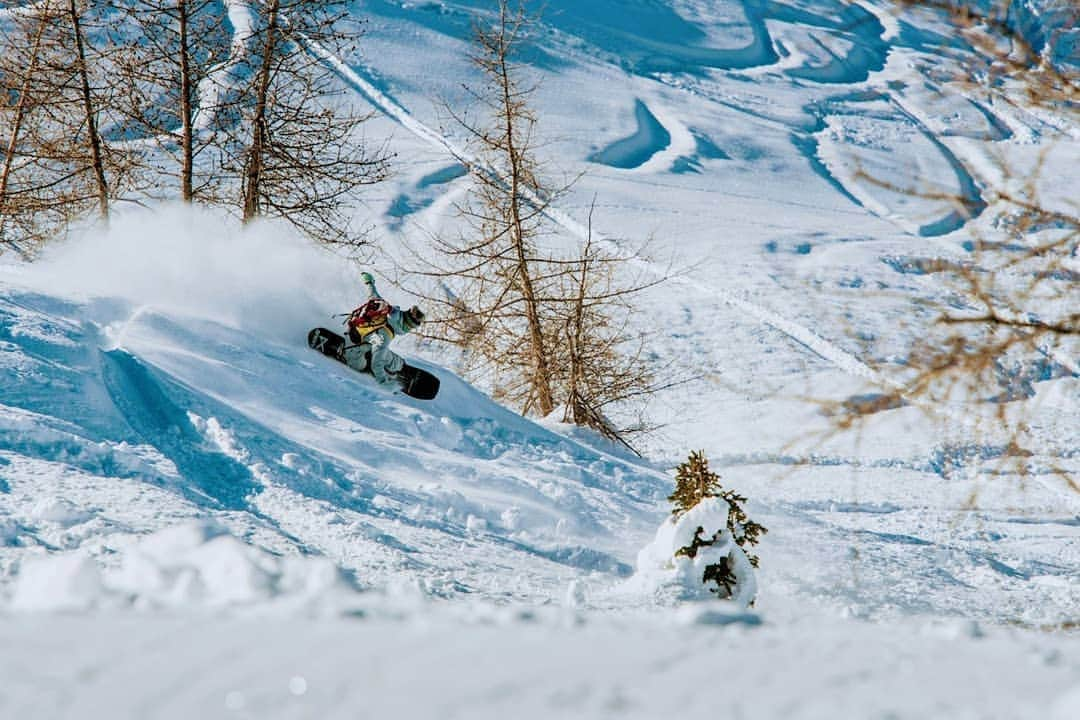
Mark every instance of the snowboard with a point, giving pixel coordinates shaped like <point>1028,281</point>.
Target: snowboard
<point>416,383</point>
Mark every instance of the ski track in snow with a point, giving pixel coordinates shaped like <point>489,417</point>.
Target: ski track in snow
<point>812,341</point>
<point>681,142</point>
<point>803,335</point>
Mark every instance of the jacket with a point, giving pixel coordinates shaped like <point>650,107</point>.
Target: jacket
<point>385,363</point>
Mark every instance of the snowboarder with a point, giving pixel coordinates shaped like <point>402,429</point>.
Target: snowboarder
<point>371,328</point>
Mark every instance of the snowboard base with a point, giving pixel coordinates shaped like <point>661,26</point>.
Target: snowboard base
<point>414,382</point>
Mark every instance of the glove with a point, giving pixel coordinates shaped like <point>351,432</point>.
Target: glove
<point>367,278</point>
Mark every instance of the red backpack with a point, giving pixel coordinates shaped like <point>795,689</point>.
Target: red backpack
<point>369,317</point>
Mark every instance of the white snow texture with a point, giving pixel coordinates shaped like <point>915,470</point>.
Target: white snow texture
<point>201,517</point>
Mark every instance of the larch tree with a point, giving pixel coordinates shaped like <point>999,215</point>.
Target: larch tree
<point>544,321</point>
<point>175,84</point>
<point>295,141</point>
<point>57,166</point>
<point>1012,312</point>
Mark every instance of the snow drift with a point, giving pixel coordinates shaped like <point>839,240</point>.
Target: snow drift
<point>196,565</point>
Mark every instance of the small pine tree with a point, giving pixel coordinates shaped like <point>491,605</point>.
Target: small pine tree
<point>743,529</point>
<point>694,482</point>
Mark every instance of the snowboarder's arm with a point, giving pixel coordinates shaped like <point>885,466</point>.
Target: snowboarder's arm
<point>396,321</point>
<point>370,282</point>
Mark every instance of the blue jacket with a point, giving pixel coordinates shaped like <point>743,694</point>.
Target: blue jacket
<point>385,362</point>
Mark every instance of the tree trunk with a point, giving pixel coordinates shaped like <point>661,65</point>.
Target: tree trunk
<point>187,90</point>
<point>17,123</point>
<point>577,409</point>
<point>97,159</point>
<point>541,380</point>
<point>254,166</point>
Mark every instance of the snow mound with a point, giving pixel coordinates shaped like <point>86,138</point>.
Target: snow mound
<point>59,511</point>
<point>58,583</point>
<point>669,574</point>
<point>898,171</point>
<point>192,565</point>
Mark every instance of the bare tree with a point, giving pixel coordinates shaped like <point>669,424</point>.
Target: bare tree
<point>171,94</point>
<point>1013,312</point>
<point>26,54</point>
<point>545,321</point>
<point>1020,290</point>
<point>89,107</point>
<point>56,165</point>
<point>296,145</point>
<point>600,361</point>
<point>501,273</point>
<point>258,118</point>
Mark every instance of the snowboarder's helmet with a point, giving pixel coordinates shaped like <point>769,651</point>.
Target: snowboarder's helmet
<point>413,317</point>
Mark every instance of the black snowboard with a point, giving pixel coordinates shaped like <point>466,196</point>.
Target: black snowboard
<point>414,382</point>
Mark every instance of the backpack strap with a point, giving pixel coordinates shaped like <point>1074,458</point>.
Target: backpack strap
<point>363,332</point>
<point>371,316</point>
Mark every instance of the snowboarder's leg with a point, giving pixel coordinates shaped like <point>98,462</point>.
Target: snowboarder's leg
<point>358,356</point>
<point>385,363</point>
<point>394,363</point>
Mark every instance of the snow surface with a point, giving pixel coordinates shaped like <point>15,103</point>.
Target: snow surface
<point>201,517</point>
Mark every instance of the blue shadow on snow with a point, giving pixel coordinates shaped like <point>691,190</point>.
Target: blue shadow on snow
<point>143,402</point>
<point>634,151</point>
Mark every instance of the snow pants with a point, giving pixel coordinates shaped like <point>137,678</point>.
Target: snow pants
<point>375,356</point>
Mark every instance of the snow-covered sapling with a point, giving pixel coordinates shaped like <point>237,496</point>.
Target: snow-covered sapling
<point>694,483</point>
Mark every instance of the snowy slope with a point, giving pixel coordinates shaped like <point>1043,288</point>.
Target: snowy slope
<point>148,412</point>
<point>239,527</point>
